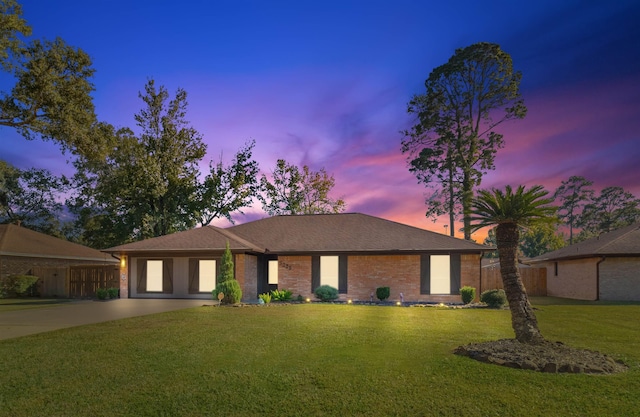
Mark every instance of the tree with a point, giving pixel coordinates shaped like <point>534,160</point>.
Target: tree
<point>612,209</point>
<point>226,190</point>
<point>509,211</point>
<point>147,185</point>
<point>31,198</point>
<point>294,192</point>
<point>454,141</point>
<point>226,265</point>
<point>51,98</point>
<point>573,194</point>
<point>540,239</point>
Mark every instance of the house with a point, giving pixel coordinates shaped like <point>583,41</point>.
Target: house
<point>352,252</point>
<point>24,251</point>
<point>606,267</point>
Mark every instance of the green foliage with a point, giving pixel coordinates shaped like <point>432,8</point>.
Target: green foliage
<point>326,293</point>
<point>281,295</point>
<point>18,285</point>
<point>614,208</point>
<point>454,141</point>
<point>292,191</point>
<point>300,298</point>
<point>113,292</point>
<point>573,195</point>
<point>51,97</point>
<point>266,297</point>
<point>494,298</point>
<point>226,265</point>
<point>468,294</point>
<point>227,189</point>
<point>31,198</point>
<point>540,239</point>
<point>102,293</point>
<point>382,293</point>
<point>231,290</point>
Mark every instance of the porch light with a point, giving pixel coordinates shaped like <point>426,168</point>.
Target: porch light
<point>123,261</point>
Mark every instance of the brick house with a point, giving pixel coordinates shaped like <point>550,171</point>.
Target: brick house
<point>22,249</point>
<point>606,267</point>
<point>354,253</point>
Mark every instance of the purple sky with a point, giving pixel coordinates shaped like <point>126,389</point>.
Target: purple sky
<point>326,83</point>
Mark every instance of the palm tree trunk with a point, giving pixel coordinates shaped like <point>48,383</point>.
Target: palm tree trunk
<point>523,319</point>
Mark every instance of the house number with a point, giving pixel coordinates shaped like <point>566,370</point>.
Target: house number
<point>285,266</point>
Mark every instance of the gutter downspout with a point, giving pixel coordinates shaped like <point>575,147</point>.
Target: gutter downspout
<point>598,277</point>
<point>480,276</point>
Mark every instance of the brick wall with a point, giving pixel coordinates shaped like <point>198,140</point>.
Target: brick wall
<point>620,279</point>
<point>401,273</point>
<point>575,279</point>
<point>13,265</point>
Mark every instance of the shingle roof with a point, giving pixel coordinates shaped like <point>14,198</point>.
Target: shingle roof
<point>20,241</point>
<point>346,232</point>
<point>199,239</point>
<point>621,242</point>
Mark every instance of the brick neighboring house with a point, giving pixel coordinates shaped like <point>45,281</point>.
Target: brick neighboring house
<point>22,249</point>
<point>355,253</point>
<point>606,267</point>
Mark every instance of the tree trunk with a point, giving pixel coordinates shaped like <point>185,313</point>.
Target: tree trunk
<point>523,319</point>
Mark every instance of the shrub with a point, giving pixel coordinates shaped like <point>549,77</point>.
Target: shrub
<point>300,298</point>
<point>226,266</point>
<point>266,297</point>
<point>383,293</point>
<point>326,293</point>
<point>494,298</point>
<point>231,290</point>
<point>281,295</point>
<point>102,293</point>
<point>113,292</point>
<point>18,285</point>
<point>468,294</point>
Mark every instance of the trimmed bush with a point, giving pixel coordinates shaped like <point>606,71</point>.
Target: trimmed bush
<point>468,294</point>
<point>231,290</point>
<point>102,293</point>
<point>266,297</point>
<point>281,295</point>
<point>18,285</point>
<point>383,293</point>
<point>226,266</point>
<point>113,292</point>
<point>494,298</point>
<point>326,293</point>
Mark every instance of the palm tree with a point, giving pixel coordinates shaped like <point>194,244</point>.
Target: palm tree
<point>510,212</point>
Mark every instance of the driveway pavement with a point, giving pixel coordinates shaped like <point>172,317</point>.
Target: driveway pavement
<point>77,313</point>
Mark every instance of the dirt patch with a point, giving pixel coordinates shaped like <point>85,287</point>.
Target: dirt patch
<point>545,357</point>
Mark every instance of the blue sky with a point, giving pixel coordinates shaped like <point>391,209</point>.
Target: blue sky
<point>326,83</point>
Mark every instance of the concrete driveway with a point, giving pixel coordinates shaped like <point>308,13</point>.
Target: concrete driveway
<point>77,313</point>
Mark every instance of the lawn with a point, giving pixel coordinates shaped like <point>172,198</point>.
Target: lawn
<point>10,304</point>
<point>314,360</point>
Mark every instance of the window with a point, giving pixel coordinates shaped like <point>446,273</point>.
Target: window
<point>154,276</point>
<point>440,274</point>
<point>206,275</point>
<point>329,270</point>
<point>273,272</point>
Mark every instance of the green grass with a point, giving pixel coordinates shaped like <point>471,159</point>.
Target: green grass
<point>10,304</point>
<point>314,360</point>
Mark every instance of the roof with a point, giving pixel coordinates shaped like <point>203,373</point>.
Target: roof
<point>20,241</point>
<point>345,232</point>
<point>198,239</point>
<point>621,242</point>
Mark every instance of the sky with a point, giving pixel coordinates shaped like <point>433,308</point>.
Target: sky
<point>326,84</point>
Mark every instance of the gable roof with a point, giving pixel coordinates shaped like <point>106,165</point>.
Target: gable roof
<point>20,241</point>
<point>345,232</point>
<point>621,242</point>
<point>198,239</point>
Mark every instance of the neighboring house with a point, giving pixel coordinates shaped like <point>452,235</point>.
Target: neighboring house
<point>606,267</point>
<point>354,253</point>
<point>22,249</point>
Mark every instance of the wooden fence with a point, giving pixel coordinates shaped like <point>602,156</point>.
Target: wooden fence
<point>534,279</point>
<point>81,281</point>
